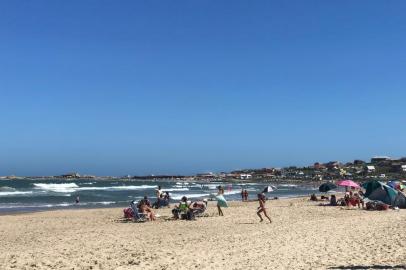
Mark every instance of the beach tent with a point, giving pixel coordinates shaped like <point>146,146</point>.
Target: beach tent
<point>379,191</point>
<point>396,184</point>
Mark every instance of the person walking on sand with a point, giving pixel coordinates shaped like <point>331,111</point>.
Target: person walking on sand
<point>261,208</point>
<point>221,201</point>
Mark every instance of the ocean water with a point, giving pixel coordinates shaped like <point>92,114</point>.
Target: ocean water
<point>41,194</point>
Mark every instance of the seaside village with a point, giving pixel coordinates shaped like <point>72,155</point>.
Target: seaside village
<point>382,167</point>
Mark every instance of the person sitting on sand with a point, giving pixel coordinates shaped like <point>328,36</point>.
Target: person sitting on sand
<point>136,210</point>
<point>198,207</point>
<point>261,208</point>
<point>144,201</point>
<point>347,198</point>
<point>356,200</point>
<point>167,196</point>
<point>313,197</point>
<point>180,209</point>
<point>146,209</point>
<point>333,200</point>
<point>162,201</point>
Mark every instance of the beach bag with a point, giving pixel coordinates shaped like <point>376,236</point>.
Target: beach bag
<point>378,206</point>
<point>128,213</point>
<point>382,206</point>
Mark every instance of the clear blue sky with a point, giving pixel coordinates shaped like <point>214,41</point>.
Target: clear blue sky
<point>149,87</point>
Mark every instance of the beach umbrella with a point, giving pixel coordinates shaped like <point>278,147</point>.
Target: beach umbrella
<point>269,189</point>
<point>327,187</point>
<point>347,183</point>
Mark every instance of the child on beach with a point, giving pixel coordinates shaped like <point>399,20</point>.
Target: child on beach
<point>261,208</point>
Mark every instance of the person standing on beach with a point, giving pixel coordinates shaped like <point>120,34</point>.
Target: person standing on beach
<point>261,208</point>
<point>242,195</point>
<point>246,195</point>
<point>221,201</point>
<point>158,192</point>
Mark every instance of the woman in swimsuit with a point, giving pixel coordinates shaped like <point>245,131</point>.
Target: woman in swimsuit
<point>261,208</point>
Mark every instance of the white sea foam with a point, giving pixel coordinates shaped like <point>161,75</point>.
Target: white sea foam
<point>211,186</point>
<point>232,192</point>
<point>288,185</point>
<point>179,196</point>
<point>175,189</point>
<point>65,188</point>
<point>117,188</point>
<point>248,184</point>
<point>14,193</point>
<point>104,203</point>
<point>72,187</point>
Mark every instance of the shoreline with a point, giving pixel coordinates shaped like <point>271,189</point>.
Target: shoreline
<point>75,208</point>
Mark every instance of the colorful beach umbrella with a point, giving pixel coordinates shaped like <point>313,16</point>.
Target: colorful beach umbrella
<point>347,183</point>
<point>327,187</point>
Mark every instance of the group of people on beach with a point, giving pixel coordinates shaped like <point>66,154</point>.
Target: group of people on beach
<point>162,198</point>
<point>186,209</point>
<point>244,195</point>
<point>350,199</point>
<point>189,210</point>
<point>144,209</point>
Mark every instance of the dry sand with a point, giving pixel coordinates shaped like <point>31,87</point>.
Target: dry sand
<point>302,236</point>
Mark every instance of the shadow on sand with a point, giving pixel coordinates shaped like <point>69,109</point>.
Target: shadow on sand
<point>356,267</point>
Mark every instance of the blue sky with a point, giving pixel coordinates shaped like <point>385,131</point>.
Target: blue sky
<point>149,87</point>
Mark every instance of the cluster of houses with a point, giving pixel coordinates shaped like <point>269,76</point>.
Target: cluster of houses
<point>379,166</point>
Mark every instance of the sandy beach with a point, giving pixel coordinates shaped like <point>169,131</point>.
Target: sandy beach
<point>303,235</point>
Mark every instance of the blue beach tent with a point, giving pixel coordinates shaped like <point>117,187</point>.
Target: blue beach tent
<point>379,191</point>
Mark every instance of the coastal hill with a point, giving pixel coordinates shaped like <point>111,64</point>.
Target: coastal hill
<point>378,167</point>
